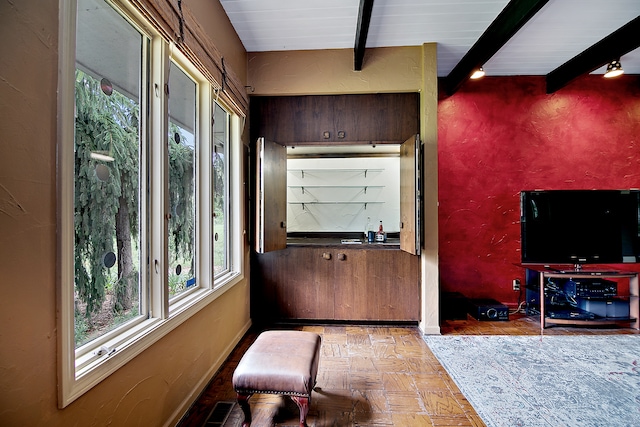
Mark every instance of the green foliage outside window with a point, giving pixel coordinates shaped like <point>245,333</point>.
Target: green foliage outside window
<point>107,207</point>
<point>182,205</point>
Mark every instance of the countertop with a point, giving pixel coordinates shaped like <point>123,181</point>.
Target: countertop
<point>391,243</point>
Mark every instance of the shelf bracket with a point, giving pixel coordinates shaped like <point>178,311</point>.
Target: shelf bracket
<point>365,189</point>
<point>365,206</point>
<point>302,190</point>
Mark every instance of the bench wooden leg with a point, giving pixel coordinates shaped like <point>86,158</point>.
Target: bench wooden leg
<point>243,401</point>
<point>303,405</point>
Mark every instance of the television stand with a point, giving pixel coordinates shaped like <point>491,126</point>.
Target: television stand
<point>583,297</point>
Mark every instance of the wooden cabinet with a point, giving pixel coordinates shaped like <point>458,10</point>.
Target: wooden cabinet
<point>333,120</point>
<point>350,277</point>
<point>291,284</point>
<point>322,119</point>
<point>336,283</point>
<point>271,187</point>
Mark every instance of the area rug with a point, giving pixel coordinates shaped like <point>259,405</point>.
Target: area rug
<point>546,381</point>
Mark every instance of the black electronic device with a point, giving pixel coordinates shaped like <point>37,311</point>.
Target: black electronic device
<point>488,309</point>
<point>570,313</point>
<point>590,288</point>
<point>580,226</point>
<point>614,308</point>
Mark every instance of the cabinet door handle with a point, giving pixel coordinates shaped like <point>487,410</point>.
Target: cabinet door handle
<point>326,255</point>
<point>342,256</point>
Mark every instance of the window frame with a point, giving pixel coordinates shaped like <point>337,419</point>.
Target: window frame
<point>81,369</point>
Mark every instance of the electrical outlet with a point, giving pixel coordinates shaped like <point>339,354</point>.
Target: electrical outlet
<point>516,284</point>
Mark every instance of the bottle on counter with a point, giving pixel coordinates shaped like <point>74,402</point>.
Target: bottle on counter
<point>368,232</point>
<point>367,227</point>
<point>381,236</point>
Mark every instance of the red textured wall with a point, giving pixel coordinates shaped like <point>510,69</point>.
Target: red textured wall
<point>501,135</point>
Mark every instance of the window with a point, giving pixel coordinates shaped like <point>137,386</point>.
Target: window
<point>142,172</point>
<point>220,198</point>
<point>109,77</point>
<point>182,182</point>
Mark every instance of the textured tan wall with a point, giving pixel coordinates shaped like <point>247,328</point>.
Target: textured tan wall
<point>430,315</point>
<point>306,72</point>
<point>153,388</point>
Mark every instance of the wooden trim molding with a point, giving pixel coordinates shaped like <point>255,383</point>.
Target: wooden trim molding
<point>177,24</point>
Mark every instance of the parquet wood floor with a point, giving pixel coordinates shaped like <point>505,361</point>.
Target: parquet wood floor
<point>373,376</point>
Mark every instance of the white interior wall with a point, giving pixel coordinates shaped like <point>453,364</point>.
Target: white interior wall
<point>341,194</point>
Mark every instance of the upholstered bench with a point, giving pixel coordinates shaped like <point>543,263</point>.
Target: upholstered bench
<point>279,362</point>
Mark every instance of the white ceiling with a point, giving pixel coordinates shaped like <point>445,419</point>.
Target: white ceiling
<point>561,30</point>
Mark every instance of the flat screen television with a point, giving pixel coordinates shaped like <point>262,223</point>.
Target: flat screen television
<point>580,226</point>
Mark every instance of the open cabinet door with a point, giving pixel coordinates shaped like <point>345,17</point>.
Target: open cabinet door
<point>271,200</point>
<point>410,160</point>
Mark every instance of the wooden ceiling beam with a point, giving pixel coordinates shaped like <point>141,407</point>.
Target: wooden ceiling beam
<point>507,23</point>
<point>620,42</point>
<point>362,30</point>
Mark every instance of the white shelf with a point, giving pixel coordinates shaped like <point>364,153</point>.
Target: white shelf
<point>311,170</point>
<point>365,187</point>
<point>365,203</point>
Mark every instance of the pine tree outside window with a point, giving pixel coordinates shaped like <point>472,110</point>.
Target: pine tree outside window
<point>182,146</point>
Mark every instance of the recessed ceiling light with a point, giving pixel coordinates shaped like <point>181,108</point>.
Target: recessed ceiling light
<point>478,74</point>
